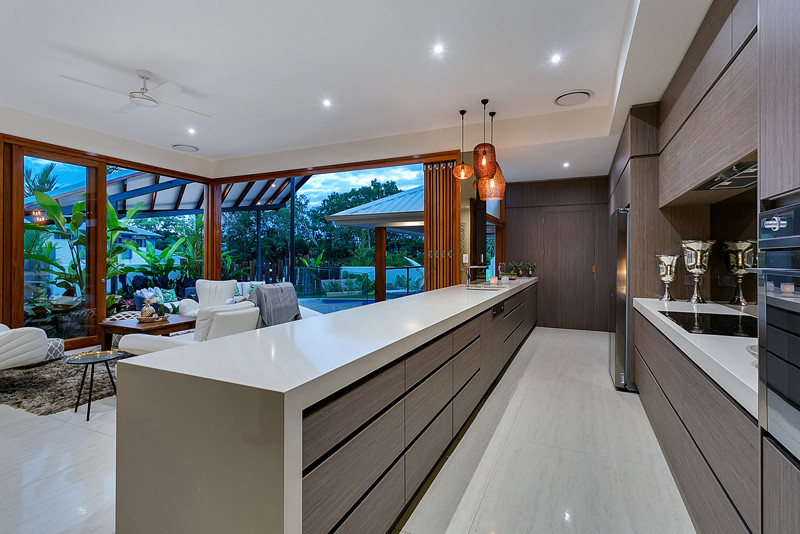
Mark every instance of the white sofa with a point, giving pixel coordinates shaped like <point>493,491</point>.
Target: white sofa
<point>212,322</point>
<point>21,346</point>
<point>210,293</point>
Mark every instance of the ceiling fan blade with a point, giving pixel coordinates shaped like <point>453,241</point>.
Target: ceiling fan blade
<point>91,84</point>
<point>184,109</point>
<point>165,89</point>
<point>127,108</point>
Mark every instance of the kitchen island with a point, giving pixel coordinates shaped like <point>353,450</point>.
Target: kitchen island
<point>327,424</point>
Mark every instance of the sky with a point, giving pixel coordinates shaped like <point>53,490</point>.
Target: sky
<point>316,189</point>
<point>321,185</point>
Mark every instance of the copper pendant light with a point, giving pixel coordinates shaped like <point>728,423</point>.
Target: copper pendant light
<point>495,187</point>
<point>463,171</point>
<point>484,160</point>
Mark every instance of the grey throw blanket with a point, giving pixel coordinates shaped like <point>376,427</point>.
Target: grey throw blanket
<point>277,303</point>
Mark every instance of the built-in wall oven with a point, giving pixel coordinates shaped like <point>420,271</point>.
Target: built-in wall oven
<point>779,325</point>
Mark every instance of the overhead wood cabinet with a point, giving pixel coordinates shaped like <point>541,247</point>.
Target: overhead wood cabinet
<point>779,38</point>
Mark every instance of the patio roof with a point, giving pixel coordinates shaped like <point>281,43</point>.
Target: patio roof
<point>163,196</point>
<point>402,212</point>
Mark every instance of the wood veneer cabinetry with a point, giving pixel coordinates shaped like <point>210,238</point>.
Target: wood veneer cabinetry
<point>721,131</point>
<point>368,448</point>
<point>719,484</point>
<point>781,485</point>
<point>779,41</point>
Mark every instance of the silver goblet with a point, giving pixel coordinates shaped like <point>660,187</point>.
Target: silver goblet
<point>695,255</point>
<point>666,272</point>
<point>739,256</point>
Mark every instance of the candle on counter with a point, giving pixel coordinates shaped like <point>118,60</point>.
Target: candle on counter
<point>493,280</point>
<point>787,287</point>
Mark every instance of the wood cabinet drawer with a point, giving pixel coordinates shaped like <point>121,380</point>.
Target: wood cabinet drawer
<point>332,421</point>
<point>515,340</point>
<point>467,399</point>
<point>466,363</point>
<point>466,333</point>
<point>781,491</point>
<point>666,425</point>
<point>331,489</point>
<point>713,419</point>
<point>706,501</point>
<point>669,366</point>
<point>379,510</point>
<point>426,451</point>
<point>423,361</point>
<point>424,402</point>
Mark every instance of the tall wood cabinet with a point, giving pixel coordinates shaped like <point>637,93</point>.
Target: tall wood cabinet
<point>779,41</point>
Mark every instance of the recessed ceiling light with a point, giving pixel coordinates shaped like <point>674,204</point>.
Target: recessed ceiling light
<point>191,131</point>
<point>555,58</point>
<point>566,164</point>
<point>185,148</point>
<point>273,184</point>
<point>438,49</point>
<point>326,103</point>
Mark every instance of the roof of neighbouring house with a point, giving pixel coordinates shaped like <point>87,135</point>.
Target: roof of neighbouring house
<point>401,212</point>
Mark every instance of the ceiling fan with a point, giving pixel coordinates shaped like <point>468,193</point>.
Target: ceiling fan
<point>144,97</point>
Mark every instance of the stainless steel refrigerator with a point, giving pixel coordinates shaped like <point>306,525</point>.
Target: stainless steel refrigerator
<point>619,361</point>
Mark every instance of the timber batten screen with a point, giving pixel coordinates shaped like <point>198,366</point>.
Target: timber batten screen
<point>442,220</point>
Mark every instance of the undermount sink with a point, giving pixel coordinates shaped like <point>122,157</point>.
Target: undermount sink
<point>486,287</point>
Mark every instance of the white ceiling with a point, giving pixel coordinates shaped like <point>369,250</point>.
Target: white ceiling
<point>261,71</point>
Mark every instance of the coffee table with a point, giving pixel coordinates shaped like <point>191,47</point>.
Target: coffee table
<point>174,323</point>
<point>91,358</point>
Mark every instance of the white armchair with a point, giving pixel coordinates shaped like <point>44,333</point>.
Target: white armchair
<point>21,346</point>
<point>209,293</point>
<point>213,322</point>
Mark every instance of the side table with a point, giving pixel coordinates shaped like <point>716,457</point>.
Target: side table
<point>92,358</point>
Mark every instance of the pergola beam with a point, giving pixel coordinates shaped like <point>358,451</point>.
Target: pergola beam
<point>180,197</point>
<point>243,194</point>
<point>133,193</point>
<point>153,199</point>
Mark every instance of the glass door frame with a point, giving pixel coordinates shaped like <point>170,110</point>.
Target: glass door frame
<point>13,257</point>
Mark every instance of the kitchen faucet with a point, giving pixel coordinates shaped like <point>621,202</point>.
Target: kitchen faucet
<point>470,267</point>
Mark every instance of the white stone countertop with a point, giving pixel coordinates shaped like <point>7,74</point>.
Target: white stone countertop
<point>308,360</point>
<point>723,358</point>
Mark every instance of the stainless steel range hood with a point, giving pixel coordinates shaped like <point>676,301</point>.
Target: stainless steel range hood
<point>740,176</point>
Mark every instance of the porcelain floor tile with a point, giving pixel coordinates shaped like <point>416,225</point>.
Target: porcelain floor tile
<point>577,456</point>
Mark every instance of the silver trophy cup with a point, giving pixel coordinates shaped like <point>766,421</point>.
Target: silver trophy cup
<point>739,256</point>
<point>666,272</point>
<point>695,255</point>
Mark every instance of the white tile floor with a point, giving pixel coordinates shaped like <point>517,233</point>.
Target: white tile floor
<point>554,449</point>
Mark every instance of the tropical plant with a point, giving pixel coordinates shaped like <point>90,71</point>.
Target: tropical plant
<point>43,181</point>
<point>228,269</point>
<point>192,249</point>
<point>313,265</point>
<point>158,265</point>
<point>72,277</point>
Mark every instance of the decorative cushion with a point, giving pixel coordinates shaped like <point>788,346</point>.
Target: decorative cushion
<point>55,349</point>
<point>169,295</point>
<point>238,293</point>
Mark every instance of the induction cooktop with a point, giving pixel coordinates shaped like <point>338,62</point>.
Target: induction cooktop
<point>715,323</point>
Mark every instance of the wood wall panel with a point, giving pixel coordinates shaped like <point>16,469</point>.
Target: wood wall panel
<point>562,225</point>
<point>780,106</point>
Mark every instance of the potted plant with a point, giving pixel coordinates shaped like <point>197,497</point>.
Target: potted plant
<point>529,268</point>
